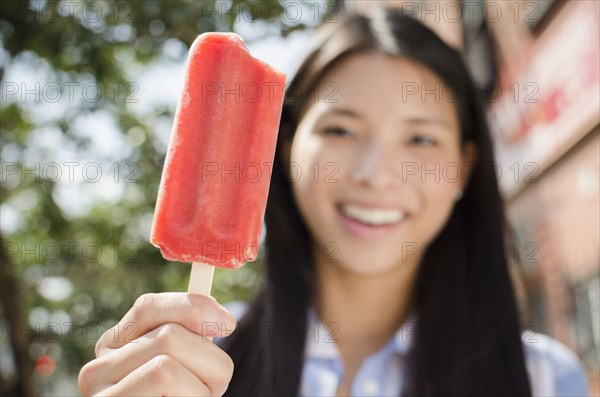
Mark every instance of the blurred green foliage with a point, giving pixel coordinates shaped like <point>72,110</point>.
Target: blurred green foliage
<point>75,273</point>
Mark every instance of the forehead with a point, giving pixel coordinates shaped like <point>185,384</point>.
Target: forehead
<point>377,82</point>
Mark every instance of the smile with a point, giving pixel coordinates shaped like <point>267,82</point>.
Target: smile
<point>370,222</point>
<point>373,216</point>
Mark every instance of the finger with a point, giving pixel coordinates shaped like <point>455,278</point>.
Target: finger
<point>161,376</point>
<point>198,313</point>
<point>197,353</point>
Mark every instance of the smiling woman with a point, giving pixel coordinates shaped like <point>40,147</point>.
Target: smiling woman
<point>416,293</point>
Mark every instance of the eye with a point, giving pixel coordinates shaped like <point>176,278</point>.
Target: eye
<point>337,131</point>
<point>423,140</point>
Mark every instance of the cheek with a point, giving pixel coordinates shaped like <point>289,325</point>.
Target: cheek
<point>315,165</point>
<point>439,196</point>
<point>305,157</point>
<point>304,150</point>
<point>303,153</point>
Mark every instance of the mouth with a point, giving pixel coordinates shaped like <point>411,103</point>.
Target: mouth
<point>370,221</point>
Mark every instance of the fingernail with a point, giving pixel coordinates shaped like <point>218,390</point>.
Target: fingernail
<point>226,320</point>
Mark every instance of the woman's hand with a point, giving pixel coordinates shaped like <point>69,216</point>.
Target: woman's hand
<point>162,347</point>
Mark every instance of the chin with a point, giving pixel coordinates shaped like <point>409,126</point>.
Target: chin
<point>367,265</point>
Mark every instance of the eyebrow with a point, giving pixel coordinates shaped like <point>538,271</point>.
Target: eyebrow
<point>421,120</point>
<point>414,120</point>
<point>344,112</point>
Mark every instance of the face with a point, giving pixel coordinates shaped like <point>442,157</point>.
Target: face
<point>376,164</point>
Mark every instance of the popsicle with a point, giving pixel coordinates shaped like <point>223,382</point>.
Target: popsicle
<point>214,186</point>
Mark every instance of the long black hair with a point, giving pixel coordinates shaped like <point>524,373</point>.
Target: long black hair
<point>467,336</point>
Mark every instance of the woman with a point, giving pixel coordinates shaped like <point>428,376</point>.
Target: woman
<point>386,264</point>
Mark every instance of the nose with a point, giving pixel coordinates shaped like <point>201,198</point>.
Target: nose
<point>374,167</point>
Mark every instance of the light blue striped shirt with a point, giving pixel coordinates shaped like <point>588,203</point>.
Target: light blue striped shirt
<point>554,370</point>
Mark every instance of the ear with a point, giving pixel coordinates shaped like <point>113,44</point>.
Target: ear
<point>469,158</point>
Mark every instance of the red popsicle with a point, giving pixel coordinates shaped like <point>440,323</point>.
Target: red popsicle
<point>213,192</point>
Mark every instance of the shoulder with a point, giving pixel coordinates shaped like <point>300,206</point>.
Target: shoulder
<point>553,368</point>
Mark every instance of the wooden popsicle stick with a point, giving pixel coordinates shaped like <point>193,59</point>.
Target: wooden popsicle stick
<point>201,278</point>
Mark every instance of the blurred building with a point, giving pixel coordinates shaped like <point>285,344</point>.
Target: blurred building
<point>538,62</point>
<point>544,115</point>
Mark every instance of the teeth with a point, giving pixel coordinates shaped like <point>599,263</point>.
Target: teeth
<point>373,216</point>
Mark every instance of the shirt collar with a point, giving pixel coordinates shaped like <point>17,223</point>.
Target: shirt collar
<point>321,342</point>
<point>403,338</point>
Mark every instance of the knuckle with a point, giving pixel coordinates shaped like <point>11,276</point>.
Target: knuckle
<point>142,303</point>
<point>229,367</point>
<point>142,308</point>
<point>99,347</point>
<point>167,336</point>
<point>162,369</point>
<point>218,389</point>
<point>87,375</point>
<point>225,369</point>
<point>104,341</point>
<point>144,299</point>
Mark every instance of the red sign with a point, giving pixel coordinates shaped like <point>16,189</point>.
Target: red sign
<point>553,99</point>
